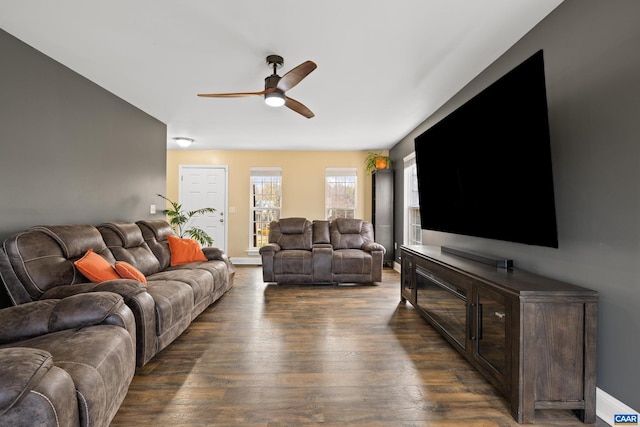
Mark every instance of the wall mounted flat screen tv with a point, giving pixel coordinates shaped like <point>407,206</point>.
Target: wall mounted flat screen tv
<point>485,169</point>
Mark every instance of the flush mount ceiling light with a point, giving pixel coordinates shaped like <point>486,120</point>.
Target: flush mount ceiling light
<point>274,99</point>
<point>183,142</point>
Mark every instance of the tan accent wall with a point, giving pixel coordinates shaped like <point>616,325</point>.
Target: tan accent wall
<point>303,174</point>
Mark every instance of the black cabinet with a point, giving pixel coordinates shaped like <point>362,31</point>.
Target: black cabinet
<point>382,211</point>
<point>532,337</point>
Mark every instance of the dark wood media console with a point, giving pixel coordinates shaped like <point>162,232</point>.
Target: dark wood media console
<point>532,337</point>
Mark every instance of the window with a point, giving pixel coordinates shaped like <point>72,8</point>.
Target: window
<point>266,202</point>
<point>340,193</point>
<point>412,230</point>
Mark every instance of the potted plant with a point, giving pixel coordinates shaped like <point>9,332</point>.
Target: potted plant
<point>375,161</point>
<point>180,220</point>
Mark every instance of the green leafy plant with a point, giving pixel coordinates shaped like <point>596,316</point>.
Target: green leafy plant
<point>180,221</point>
<point>375,161</point>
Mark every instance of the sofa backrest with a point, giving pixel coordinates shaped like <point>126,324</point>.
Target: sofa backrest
<point>126,243</point>
<point>155,234</point>
<point>350,233</point>
<point>321,232</point>
<point>291,233</point>
<point>42,257</point>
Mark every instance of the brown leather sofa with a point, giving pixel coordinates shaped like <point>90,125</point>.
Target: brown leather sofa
<point>66,362</point>
<point>302,251</point>
<point>39,265</point>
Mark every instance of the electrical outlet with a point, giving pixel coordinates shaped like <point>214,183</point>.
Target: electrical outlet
<point>152,209</point>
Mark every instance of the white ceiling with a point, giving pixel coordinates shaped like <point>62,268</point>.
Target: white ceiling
<point>383,66</point>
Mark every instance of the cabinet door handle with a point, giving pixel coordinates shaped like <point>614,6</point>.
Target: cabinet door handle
<point>471,322</point>
<point>500,314</point>
<point>479,333</point>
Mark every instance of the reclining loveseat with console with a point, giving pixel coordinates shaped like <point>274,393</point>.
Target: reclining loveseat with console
<point>320,251</point>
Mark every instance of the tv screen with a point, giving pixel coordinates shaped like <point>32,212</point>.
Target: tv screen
<point>485,169</point>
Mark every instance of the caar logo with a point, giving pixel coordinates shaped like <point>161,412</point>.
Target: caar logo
<point>625,420</point>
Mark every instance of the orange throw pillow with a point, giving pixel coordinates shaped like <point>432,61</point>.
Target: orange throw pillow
<point>184,251</point>
<point>128,271</point>
<point>95,268</point>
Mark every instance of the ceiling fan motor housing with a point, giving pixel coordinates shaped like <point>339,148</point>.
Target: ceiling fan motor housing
<point>271,81</point>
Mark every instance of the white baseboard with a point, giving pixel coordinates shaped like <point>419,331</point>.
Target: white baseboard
<point>246,261</point>
<point>607,406</point>
<point>396,266</point>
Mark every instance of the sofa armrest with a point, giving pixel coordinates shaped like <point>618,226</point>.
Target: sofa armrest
<point>373,246</point>
<point>215,254</point>
<point>270,247</point>
<point>126,288</point>
<point>135,296</point>
<point>322,246</point>
<point>45,316</point>
<point>20,369</point>
<point>267,252</point>
<point>35,391</point>
<point>322,260</point>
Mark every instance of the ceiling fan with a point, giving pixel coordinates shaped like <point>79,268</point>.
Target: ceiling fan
<point>276,86</point>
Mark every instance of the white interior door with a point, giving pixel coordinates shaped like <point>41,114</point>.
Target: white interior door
<point>206,187</point>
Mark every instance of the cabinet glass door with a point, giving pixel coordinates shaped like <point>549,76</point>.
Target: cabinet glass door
<point>406,286</point>
<point>445,303</point>
<point>491,330</point>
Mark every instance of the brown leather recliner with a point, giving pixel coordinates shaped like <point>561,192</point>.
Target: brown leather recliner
<point>288,258</point>
<point>301,251</point>
<point>66,362</point>
<point>356,257</point>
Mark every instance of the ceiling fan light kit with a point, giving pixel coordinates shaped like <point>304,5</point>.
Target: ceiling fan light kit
<point>274,99</point>
<point>276,86</point>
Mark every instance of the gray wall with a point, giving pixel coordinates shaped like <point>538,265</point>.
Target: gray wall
<point>71,152</point>
<point>592,65</point>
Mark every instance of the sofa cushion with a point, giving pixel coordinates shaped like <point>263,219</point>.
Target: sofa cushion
<point>174,301</point>
<point>349,225</point>
<point>184,251</point>
<point>200,281</point>
<point>351,261</point>
<point>345,233</point>
<point>126,243</point>
<point>293,262</point>
<point>42,257</point>
<point>291,233</point>
<point>321,234</point>
<point>293,225</point>
<point>155,234</point>
<point>128,271</point>
<point>75,240</point>
<point>96,268</point>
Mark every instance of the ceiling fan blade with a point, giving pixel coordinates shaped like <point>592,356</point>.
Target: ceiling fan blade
<point>235,94</point>
<point>298,107</point>
<point>294,76</point>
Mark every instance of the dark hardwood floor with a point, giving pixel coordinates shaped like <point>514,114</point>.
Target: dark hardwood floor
<point>268,355</point>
